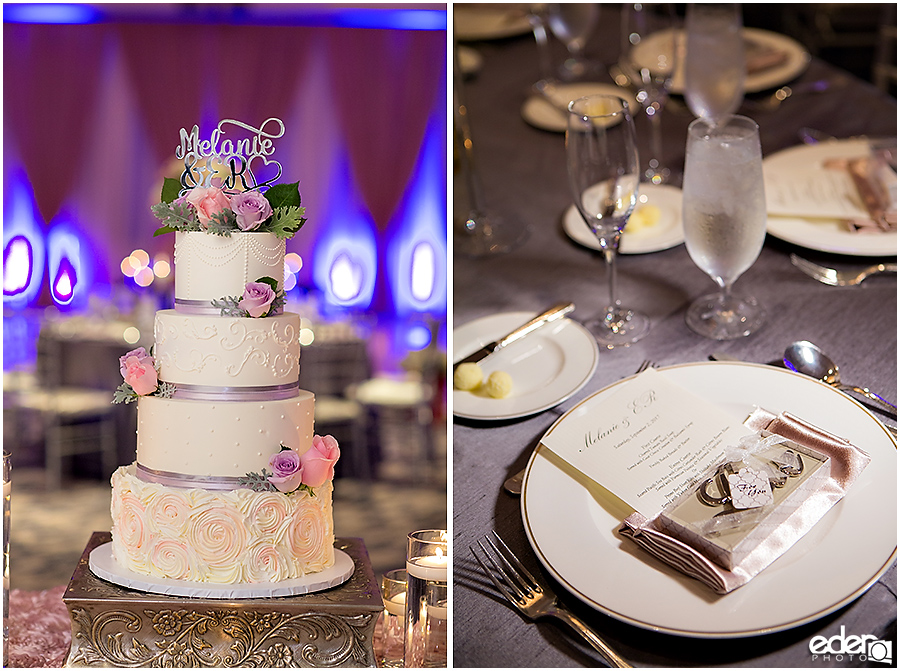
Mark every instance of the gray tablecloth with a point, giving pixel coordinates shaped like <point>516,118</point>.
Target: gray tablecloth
<point>522,170</point>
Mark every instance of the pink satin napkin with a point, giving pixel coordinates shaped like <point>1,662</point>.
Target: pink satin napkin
<point>847,462</point>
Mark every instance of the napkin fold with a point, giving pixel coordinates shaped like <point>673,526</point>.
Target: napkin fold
<point>847,462</point>
<point>759,56</point>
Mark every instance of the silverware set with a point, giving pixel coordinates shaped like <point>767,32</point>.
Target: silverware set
<point>533,598</point>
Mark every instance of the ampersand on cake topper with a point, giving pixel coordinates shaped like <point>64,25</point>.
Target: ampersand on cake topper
<point>204,160</point>
<point>221,190</point>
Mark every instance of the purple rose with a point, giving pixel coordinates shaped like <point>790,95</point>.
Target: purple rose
<point>251,209</point>
<point>287,474</point>
<point>257,298</point>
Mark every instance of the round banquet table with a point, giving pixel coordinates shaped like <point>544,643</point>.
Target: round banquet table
<point>522,172</point>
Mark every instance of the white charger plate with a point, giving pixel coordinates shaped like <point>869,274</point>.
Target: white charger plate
<point>666,233</point>
<point>105,566</point>
<point>796,61</point>
<point>543,114</point>
<point>572,523</point>
<point>547,366</point>
<point>825,235</point>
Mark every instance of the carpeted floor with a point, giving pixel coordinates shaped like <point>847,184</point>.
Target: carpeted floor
<point>49,529</point>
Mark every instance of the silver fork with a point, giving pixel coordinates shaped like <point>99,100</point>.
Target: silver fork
<point>840,278</point>
<point>531,597</point>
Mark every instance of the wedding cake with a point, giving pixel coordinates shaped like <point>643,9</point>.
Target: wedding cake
<point>230,484</point>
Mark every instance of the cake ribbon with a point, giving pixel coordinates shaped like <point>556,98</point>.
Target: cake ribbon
<point>182,481</point>
<point>192,307</point>
<point>198,392</point>
<point>847,462</point>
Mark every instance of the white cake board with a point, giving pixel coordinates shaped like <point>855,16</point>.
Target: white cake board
<point>104,566</point>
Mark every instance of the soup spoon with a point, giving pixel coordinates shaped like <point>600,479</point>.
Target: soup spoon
<point>804,357</point>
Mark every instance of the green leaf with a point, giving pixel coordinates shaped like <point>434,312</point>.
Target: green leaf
<point>124,394</point>
<point>284,195</point>
<point>170,190</point>
<point>162,230</point>
<point>176,216</point>
<point>286,221</point>
<point>223,223</point>
<point>271,282</point>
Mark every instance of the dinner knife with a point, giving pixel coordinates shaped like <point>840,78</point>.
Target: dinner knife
<point>556,312</point>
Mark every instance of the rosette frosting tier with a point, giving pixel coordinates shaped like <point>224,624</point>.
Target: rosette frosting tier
<point>239,536</point>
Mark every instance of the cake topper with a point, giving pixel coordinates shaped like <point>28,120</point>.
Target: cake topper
<point>220,191</point>
<point>226,162</point>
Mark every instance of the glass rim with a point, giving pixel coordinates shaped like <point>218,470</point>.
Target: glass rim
<point>439,533</point>
<point>745,123</point>
<point>623,109</point>
<point>389,576</point>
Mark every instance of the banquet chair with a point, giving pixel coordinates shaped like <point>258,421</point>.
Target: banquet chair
<point>403,424</point>
<point>75,419</point>
<point>328,368</point>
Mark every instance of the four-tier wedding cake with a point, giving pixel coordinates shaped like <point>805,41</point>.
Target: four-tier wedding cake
<point>230,484</point>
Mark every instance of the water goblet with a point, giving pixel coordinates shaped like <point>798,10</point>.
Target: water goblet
<point>572,23</point>
<point>724,216</point>
<point>648,58</point>
<point>604,174</point>
<point>714,68</point>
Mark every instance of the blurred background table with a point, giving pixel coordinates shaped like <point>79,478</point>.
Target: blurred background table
<point>523,174</point>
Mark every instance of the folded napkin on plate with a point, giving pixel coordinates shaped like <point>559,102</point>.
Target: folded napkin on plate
<point>760,56</point>
<point>847,462</point>
<point>876,185</point>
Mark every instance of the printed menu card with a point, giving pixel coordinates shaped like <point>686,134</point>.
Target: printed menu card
<point>646,442</point>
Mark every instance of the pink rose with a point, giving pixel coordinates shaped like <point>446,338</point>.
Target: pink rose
<point>140,354</point>
<point>257,298</point>
<point>251,209</point>
<point>138,369</point>
<point>287,472</point>
<point>318,461</point>
<point>207,202</point>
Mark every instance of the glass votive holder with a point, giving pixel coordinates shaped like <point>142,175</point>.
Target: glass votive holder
<point>426,568</point>
<point>393,594</point>
<point>435,655</point>
<point>7,489</point>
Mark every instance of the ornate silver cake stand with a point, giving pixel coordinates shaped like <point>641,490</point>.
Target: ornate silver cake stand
<point>113,626</point>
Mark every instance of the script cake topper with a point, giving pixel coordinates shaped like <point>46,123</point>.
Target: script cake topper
<point>229,159</point>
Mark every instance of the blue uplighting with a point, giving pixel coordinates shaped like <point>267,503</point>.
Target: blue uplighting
<point>397,19</point>
<point>49,13</point>
<point>298,15</point>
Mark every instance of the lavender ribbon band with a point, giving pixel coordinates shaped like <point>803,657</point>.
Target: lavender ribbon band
<point>182,481</point>
<point>198,392</point>
<point>194,307</point>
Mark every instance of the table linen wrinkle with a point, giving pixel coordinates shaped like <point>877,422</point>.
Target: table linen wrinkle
<point>523,174</point>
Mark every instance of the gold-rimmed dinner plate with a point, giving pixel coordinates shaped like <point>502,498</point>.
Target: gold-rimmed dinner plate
<point>572,523</point>
<point>795,58</point>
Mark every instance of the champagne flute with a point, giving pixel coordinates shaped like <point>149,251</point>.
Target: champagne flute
<point>604,174</point>
<point>649,57</point>
<point>477,231</point>
<point>715,67</point>
<point>573,23</point>
<point>724,221</point>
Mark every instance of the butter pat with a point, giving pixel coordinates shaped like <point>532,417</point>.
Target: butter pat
<point>499,384</point>
<point>643,217</point>
<point>467,376</point>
